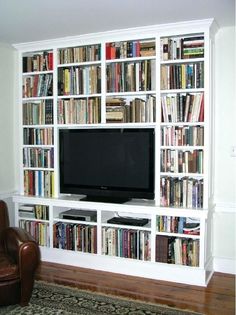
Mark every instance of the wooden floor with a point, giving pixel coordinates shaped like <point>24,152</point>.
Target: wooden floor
<point>217,299</point>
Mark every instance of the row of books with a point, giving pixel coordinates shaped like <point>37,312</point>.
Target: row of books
<point>137,110</point>
<point>40,212</point>
<point>181,192</point>
<point>38,85</point>
<point>126,243</point>
<point>131,76</point>
<point>38,230</point>
<point>79,54</point>
<point>183,107</point>
<point>182,76</point>
<point>41,61</point>
<point>173,48</point>
<point>38,157</point>
<point>38,136</point>
<point>38,112</point>
<point>178,161</point>
<point>181,225</point>
<point>130,49</point>
<point>79,111</point>
<point>77,237</point>
<point>79,80</point>
<point>174,250</point>
<point>182,136</point>
<point>39,183</point>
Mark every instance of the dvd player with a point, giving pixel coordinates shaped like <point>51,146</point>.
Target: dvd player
<point>79,215</point>
<point>128,221</point>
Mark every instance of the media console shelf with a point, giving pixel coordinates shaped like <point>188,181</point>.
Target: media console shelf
<point>157,78</point>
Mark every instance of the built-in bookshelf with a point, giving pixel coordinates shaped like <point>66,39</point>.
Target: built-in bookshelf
<point>155,77</point>
<point>131,81</point>
<point>35,220</point>
<point>38,124</point>
<point>79,85</point>
<point>177,240</point>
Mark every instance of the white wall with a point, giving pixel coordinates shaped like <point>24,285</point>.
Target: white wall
<point>7,137</point>
<point>224,248</point>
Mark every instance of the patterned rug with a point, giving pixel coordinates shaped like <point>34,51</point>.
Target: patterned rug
<point>50,299</point>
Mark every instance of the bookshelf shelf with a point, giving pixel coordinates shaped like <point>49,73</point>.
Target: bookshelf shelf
<point>181,61</point>
<point>181,91</point>
<point>157,77</point>
<point>79,64</point>
<point>192,236</point>
<point>38,98</point>
<point>130,227</point>
<point>132,59</point>
<point>79,96</point>
<point>36,73</point>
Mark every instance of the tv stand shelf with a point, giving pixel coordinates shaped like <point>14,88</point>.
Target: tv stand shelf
<point>153,84</point>
<point>134,208</point>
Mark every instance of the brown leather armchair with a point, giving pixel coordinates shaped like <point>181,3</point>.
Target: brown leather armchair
<point>19,258</point>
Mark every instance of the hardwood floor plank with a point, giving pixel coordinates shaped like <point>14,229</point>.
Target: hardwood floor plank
<point>216,299</point>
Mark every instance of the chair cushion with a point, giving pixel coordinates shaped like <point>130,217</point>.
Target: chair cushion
<point>8,270</point>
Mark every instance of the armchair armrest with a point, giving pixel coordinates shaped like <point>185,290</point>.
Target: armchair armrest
<point>23,249</point>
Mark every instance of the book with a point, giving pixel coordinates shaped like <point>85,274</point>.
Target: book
<point>162,248</point>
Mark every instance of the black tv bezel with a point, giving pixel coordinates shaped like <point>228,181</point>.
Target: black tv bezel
<point>110,194</point>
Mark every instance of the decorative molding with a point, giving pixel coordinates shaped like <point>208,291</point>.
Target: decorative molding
<point>134,32</point>
<point>7,194</point>
<point>225,265</point>
<point>225,207</point>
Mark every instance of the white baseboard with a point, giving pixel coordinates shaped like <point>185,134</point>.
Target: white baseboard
<point>224,265</point>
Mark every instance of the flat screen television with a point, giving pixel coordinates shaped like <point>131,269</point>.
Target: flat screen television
<point>107,164</point>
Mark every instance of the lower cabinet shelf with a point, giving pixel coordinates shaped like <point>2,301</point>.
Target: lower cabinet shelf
<point>128,243</point>
<point>156,248</point>
<point>75,236</point>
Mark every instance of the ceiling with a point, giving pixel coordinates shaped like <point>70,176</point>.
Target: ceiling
<point>31,20</point>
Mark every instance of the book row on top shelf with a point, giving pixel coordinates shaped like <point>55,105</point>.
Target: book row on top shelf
<point>114,50</point>
<point>130,49</point>
<point>40,61</point>
<point>173,48</point>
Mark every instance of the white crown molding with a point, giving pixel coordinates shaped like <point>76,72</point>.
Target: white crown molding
<point>136,32</point>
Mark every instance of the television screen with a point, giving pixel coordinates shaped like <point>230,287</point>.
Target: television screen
<point>107,163</point>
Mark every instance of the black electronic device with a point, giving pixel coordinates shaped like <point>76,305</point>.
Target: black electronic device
<point>128,221</point>
<point>107,164</point>
<point>79,215</point>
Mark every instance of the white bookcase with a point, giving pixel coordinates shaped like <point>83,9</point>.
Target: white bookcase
<point>163,81</point>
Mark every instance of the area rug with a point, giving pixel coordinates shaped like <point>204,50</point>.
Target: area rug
<point>50,299</point>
